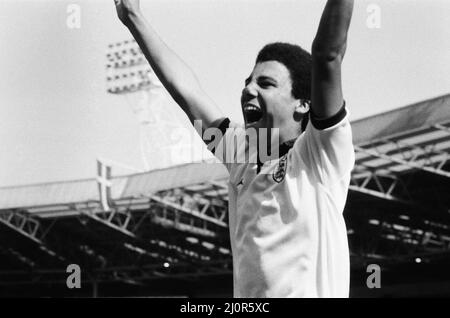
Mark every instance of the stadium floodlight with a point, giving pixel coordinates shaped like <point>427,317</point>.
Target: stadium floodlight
<point>127,70</point>
<point>163,126</point>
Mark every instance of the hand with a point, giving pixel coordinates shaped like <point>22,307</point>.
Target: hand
<point>126,8</point>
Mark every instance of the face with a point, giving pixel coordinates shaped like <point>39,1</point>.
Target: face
<point>267,100</point>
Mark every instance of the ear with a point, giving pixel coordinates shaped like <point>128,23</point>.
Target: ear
<point>302,108</point>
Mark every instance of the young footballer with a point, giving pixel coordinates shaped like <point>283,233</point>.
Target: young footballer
<point>287,231</point>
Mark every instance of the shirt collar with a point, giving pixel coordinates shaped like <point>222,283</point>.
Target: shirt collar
<point>282,150</point>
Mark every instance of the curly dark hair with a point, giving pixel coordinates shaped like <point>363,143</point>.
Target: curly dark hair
<point>297,61</point>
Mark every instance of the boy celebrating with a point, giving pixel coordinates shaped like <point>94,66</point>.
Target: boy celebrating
<point>287,232</point>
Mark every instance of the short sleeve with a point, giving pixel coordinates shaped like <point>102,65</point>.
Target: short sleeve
<point>326,148</point>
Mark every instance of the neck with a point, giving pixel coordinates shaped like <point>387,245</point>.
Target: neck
<point>274,140</point>
<point>289,133</point>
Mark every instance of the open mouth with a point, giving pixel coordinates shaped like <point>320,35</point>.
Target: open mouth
<point>252,113</point>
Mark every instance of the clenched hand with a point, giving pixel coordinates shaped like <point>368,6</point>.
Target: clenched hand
<point>126,8</point>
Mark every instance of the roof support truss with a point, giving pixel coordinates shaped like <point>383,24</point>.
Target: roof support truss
<point>413,156</point>
<point>25,224</point>
<point>384,186</point>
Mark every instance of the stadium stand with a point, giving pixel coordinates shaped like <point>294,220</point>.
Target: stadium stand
<point>165,233</point>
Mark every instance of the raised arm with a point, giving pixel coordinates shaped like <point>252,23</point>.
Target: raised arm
<point>328,51</point>
<point>175,75</point>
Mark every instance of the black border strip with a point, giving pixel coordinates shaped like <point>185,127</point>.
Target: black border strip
<point>324,123</point>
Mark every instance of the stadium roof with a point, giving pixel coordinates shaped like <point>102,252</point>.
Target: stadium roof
<point>412,118</point>
<point>136,185</point>
<point>412,137</point>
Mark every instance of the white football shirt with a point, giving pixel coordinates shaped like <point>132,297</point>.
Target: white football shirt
<point>287,231</point>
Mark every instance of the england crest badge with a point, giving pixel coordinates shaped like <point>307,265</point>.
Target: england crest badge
<point>280,170</point>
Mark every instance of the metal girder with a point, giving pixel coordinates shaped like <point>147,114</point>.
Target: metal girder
<point>194,206</point>
<point>384,186</point>
<point>121,219</point>
<point>443,128</point>
<point>32,229</point>
<point>25,224</point>
<point>378,170</point>
<point>427,164</point>
<point>51,211</point>
<point>127,222</point>
<point>213,190</point>
<point>177,208</point>
<point>170,217</point>
<point>21,223</point>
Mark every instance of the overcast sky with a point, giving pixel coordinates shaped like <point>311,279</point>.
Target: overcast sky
<point>56,117</point>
